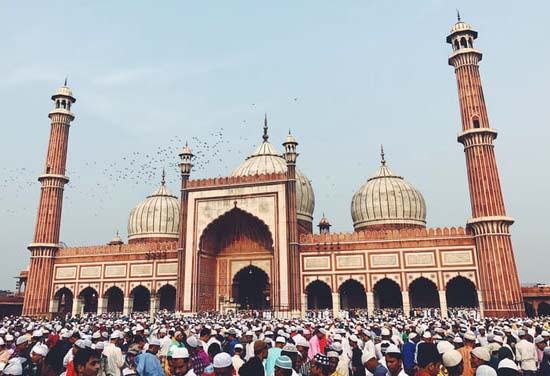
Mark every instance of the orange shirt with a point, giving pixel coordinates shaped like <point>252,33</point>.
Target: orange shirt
<point>465,351</point>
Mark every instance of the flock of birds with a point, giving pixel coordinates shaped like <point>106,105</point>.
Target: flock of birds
<point>98,182</point>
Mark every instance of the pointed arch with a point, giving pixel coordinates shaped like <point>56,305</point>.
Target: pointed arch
<point>423,293</point>
<point>529,310</point>
<point>115,299</point>
<point>167,297</point>
<point>352,295</point>
<point>88,297</point>
<point>319,295</point>
<point>141,297</point>
<point>235,226</point>
<point>387,294</point>
<point>251,288</point>
<point>543,309</point>
<point>461,292</point>
<point>64,300</point>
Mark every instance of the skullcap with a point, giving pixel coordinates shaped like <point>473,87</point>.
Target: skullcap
<point>283,362</point>
<point>451,358</point>
<point>222,360</point>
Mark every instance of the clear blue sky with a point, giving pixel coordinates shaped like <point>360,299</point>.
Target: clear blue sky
<point>149,75</point>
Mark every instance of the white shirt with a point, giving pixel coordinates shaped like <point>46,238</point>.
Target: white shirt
<point>237,363</point>
<point>526,355</point>
<point>115,360</point>
<point>68,357</point>
<point>165,343</point>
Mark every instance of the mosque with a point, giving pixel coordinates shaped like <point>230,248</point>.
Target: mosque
<point>248,240</point>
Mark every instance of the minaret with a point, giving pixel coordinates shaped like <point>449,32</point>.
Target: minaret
<point>501,292</point>
<point>290,156</point>
<point>53,180</point>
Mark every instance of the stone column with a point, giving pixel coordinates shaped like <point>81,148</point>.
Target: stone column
<point>77,307</point>
<point>303,306</point>
<point>443,303</point>
<point>154,305</point>
<point>101,305</point>
<point>406,303</point>
<point>128,306</point>
<point>370,303</point>
<point>336,304</point>
<point>53,304</point>
<point>481,305</point>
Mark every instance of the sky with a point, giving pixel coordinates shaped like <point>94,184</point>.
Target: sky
<point>344,76</point>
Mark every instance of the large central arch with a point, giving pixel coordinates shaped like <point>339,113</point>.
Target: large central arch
<point>235,234</point>
<point>64,301</point>
<point>251,288</point>
<point>461,292</point>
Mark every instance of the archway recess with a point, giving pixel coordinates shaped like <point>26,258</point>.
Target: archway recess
<point>529,310</point>
<point>461,292</point>
<point>251,288</point>
<point>319,295</point>
<point>387,294</point>
<point>141,299</point>
<point>352,295</point>
<point>115,299</point>
<point>423,294</point>
<point>543,309</point>
<point>167,297</point>
<point>88,298</point>
<point>64,301</point>
<point>236,233</point>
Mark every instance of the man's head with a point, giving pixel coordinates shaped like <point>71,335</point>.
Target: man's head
<point>280,342</point>
<point>154,345</point>
<point>21,343</point>
<point>86,363</point>
<point>369,360</point>
<point>333,359</point>
<point>479,356</point>
<point>179,361</point>
<point>38,353</point>
<point>469,339</point>
<point>192,345</point>
<point>428,358</point>
<point>452,360</point>
<point>223,365</point>
<point>320,365</point>
<point>394,362</point>
<point>283,366</point>
<point>540,342</point>
<point>260,349</point>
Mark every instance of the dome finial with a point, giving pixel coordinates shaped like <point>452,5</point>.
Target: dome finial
<point>265,136</point>
<point>163,180</point>
<point>382,155</point>
<point>65,84</point>
<point>458,15</point>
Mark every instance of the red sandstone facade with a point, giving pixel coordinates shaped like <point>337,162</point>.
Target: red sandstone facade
<point>245,241</point>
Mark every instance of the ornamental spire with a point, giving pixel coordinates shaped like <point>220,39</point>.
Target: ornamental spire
<point>163,179</point>
<point>382,155</point>
<point>265,136</point>
<point>458,15</point>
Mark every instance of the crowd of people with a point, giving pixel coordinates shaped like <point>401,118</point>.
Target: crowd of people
<point>247,345</point>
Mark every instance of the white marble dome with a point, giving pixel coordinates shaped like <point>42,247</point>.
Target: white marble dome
<point>266,160</point>
<point>387,199</point>
<point>156,217</point>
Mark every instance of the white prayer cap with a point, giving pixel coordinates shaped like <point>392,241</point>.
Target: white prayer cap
<point>385,332</point>
<point>222,360</point>
<point>14,367</point>
<point>154,341</point>
<point>444,346</point>
<point>40,349</point>
<point>482,353</point>
<point>180,353</point>
<point>451,358</point>
<point>367,356</point>
<point>192,341</point>
<point>280,339</point>
<point>470,336</point>
<point>485,370</point>
<point>20,340</point>
<point>508,363</point>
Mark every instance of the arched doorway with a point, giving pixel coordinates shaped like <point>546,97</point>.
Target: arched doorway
<point>543,309</point>
<point>387,294</point>
<point>235,233</point>
<point>88,298</point>
<point>167,297</point>
<point>529,310</point>
<point>251,288</point>
<point>461,292</point>
<point>141,299</point>
<point>319,295</point>
<point>352,295</point>
<point>64,300</point>
<point>115,300</point>
<point>423,294</point>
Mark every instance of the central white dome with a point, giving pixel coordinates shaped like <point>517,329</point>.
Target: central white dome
<point>387,200</point>
<point>266,160</point>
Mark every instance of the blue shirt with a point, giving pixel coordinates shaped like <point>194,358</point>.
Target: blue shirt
<point>409,349</point>
<point>148,364</point>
